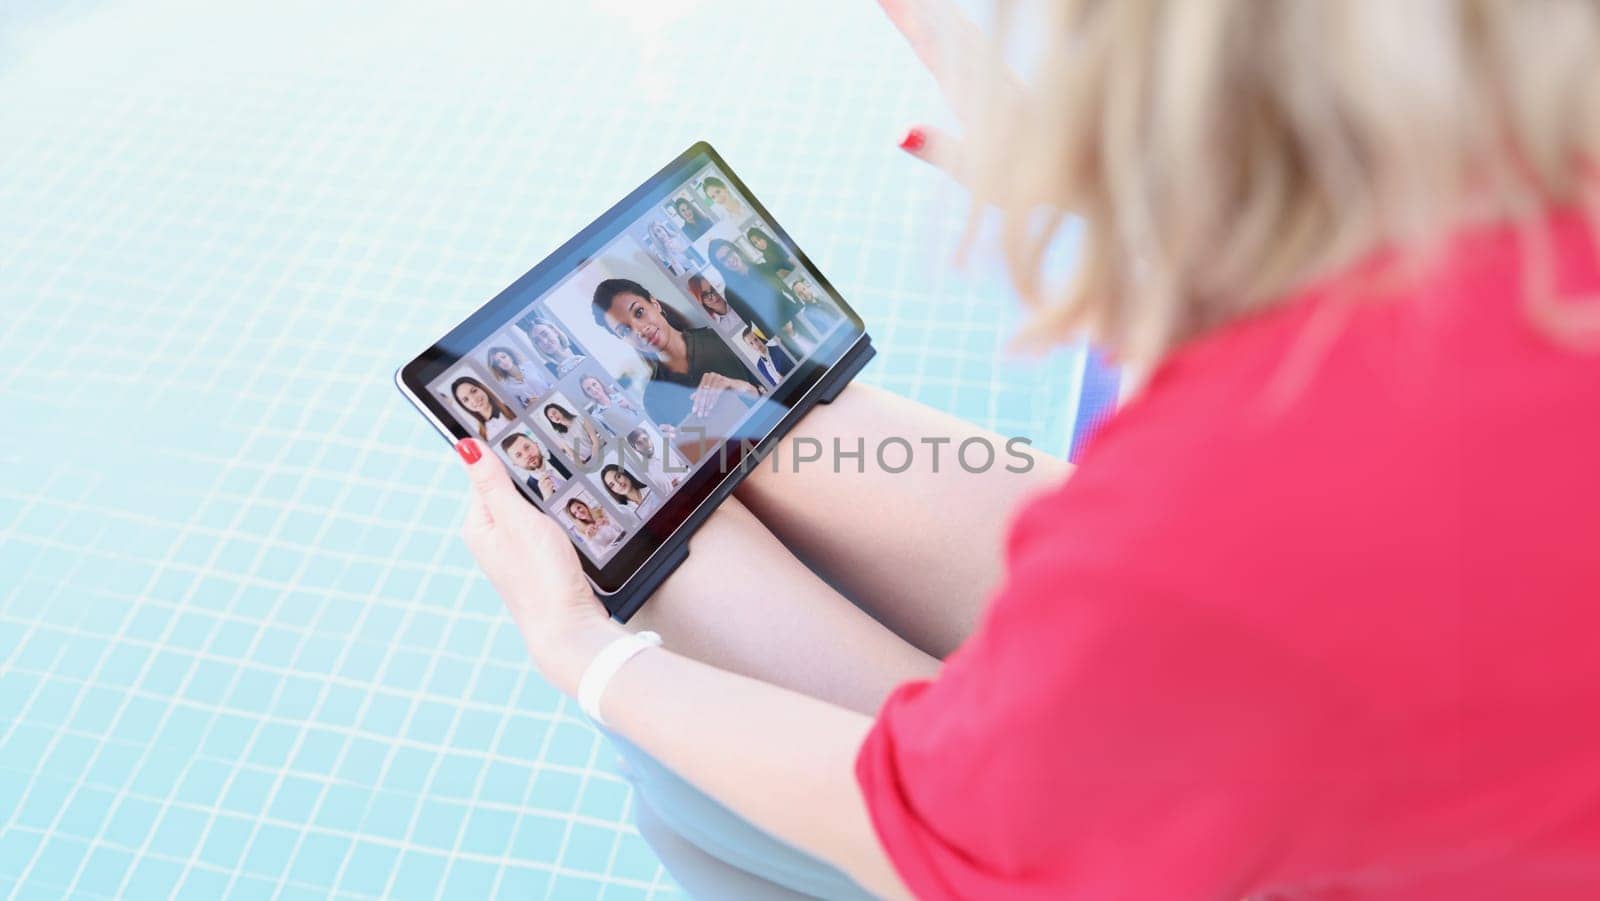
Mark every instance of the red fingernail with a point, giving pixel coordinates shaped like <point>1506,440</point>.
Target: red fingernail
<point>468,449</point>
<point>914,141</point>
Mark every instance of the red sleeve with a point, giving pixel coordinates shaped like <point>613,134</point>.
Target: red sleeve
<point>1095,739</point>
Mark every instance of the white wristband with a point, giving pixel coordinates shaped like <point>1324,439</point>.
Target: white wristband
<point>597,675</point>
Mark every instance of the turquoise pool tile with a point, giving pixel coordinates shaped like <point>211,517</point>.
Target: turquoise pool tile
<point>604,799</point>
<point>418,876</point>
<point>430,722</point>
<point>488,831</point>
<point>269,850</point>
<point>572,744</point>
<point>294,799</point>
<point>43,800</point>
<point>203,780</point>
<point>165,672</point>
<point>178,832</point>
<point>248,792</point>
<point>469,879</point>
<point>113,767</point>
<point>158,774</point>
<point>131,821</point>
<point>634,859</point>
<point>71,755</point>
<point>506,782</point>
<point>408,769</point>
<point>575,888</point>
<point>227,736</point>
<point>476,728</point>
<point>52,700</point>
<point>153,877</point>
<point>225,841</point>
<point>438,823</point>
<point>554,790</point>
<point>538,838</point>
<point>614,891</point>
<point>319,858</point>
<point>104,868</point>
<point>368,869</point>
<point>343,808</point>
<point>525,882</point>
<point>58,860</point>
<point>200,884</point>
<point>84,813</point>
<point>17,847</point>
<point>456,776</point>
<point>389,815</point>
<point>588,848</point>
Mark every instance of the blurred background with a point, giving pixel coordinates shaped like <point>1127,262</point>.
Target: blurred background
<point>242,651</point>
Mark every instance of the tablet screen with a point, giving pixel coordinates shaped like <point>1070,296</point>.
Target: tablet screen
<point>640,361</point>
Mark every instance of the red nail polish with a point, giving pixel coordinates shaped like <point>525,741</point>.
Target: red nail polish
<point>914,141</point>
<point>468,449</point>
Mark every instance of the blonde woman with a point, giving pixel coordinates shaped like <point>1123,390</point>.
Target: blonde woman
<point>1315,615</point>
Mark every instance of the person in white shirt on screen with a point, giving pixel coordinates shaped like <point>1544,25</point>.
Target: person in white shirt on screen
<point>544,472</point>
<point>490,412</point>
<point>629,492</point>
<point>555,347</point>
<point>717,191</point>
<point>723,319</point>
<point>772,362</point>
<point>612,408</point>
<point>820,314</point>
<point>674,250</point>
<point>661,463</point>
<point>599,532</point>
<point>578,436</point>
<point>524,381</point>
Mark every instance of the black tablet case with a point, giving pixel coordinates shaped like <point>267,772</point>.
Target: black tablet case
<point>627,600</point>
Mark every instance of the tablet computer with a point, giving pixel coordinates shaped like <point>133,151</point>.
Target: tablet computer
<point>632,378</point>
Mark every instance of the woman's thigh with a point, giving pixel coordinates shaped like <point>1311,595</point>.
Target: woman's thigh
<point>743,602</point>
<point>920,548</point>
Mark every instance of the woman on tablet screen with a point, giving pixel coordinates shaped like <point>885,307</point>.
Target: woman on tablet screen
<point>577,434</point>
<point>554,345</point>
<point>521,380</point>
<point>690,368</point>
<point>775,261</point>
<point>590,521</point>
<point>488,411</point>
<point>717,192</point>
<point>724,320</point>
<point>629,492</point>
<point>1315,615</point>
<point>695,223</point>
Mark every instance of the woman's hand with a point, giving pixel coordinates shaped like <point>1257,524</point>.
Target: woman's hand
<point>713,384</point>
<point>949,43</point>
<point>533,565</point>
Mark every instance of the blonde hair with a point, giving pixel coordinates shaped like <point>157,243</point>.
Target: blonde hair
<point>1223,152</point>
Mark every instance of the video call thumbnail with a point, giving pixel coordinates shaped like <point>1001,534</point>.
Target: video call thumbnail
<point>604,393</point>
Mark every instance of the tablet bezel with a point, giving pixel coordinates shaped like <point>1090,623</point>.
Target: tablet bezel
<point>661,530</point>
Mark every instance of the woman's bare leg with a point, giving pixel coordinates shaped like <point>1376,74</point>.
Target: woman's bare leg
<point>743,602</point>
<point>921,549</point>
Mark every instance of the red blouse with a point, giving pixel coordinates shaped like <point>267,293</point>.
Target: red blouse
<point>1317,616</point>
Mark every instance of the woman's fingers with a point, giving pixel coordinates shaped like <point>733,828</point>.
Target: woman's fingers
<point>953,48</point>
<point>495,499</point>
<point>934,147</point>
